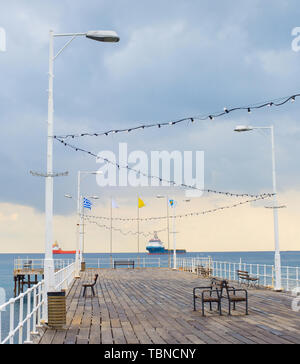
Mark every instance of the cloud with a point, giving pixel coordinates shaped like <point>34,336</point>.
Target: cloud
<point>241,229</point>
<point>8,218</point>
<point>279,63</point>
<point>187,58</point>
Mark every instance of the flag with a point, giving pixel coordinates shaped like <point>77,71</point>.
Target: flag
<point>87,204</point>
<point>114,205</point>
<point>172,203</point>
<point>141,203</point>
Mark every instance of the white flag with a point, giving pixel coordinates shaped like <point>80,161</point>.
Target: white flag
<point>114,205</point>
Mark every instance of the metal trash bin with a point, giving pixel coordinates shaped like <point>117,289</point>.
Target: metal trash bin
<point>82,266</point>
<point>57,309</point>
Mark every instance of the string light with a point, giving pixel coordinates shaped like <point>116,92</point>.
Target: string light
<point>129,232</point>
<point>182,185</point>
<point>210,116</point>
<point>190,214</point>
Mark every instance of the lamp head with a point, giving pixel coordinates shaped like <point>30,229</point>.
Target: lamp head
<point>103,36</point>
<point>243,128</point>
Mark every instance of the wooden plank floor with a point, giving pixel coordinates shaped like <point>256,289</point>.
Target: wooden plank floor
<point>154,306</point>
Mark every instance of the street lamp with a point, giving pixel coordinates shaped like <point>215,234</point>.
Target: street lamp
<point>243,128</point>
<point>103,36</point>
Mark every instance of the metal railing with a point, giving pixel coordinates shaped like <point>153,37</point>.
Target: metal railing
<point>38,264</point>
<point>64,277</point>
<point>23,314</point>
<point>142,262</point>
<point>20,319</point>
<point>290,276</point>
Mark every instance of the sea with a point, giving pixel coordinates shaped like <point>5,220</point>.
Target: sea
<point>290,258</point>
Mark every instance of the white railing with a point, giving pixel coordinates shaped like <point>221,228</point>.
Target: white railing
<point>38,264</point>
<point>290,276</point>
<point>191,264</point>
<point>20,319</point>
<point>64,277</point>
<point>142,262</point>
<point>21,316</point>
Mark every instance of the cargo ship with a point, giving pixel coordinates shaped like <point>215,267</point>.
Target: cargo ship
<point>156,247</point>
<point>57,250</point>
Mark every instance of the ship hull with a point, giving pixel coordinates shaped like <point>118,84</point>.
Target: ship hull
<point>166,252</point>
<point>64,251</point>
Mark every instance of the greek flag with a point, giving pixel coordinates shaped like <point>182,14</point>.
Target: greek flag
<point>87,204</point>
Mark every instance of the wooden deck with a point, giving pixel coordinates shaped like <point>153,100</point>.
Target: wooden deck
<point>154,306</point>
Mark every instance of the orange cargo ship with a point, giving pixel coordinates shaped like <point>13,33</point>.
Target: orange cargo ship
<point>57,250</point>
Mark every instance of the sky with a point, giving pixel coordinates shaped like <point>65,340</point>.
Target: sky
<point>175,60</point>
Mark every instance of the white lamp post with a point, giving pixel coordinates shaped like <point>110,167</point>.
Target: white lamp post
<point>103,36</point>
<point>242,128</point>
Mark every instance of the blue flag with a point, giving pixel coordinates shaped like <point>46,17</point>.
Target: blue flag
<point>87,204</point>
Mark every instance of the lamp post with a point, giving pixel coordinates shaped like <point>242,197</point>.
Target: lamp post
<point>242,128</point>
<point>102,36</point>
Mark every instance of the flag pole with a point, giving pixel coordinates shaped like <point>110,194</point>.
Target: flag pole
<point>82,234</point>
<point>168,229</point>
<point>138,230</point>
<point>81,219</point>
<point>174,237</point>
<point>111,263</point>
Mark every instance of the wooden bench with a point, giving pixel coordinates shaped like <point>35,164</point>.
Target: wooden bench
<point>218,291</point>
<point>28,265</point>
<point>90,285</point>
<point>128,263</point>
<point>245,278</point>
<point>203,272</point>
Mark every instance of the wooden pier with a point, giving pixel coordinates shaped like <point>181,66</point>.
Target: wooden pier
<point>154,306</point>
<point>26,277</point>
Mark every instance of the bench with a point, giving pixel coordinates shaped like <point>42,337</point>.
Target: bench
<point>28,265</point>
<point>245,278</point>
<point>90,285</point>
<point>128,263</point>
<point>218,291</point>
<point>210,294</point>
<point>203,272</point>
<point>230,293</point>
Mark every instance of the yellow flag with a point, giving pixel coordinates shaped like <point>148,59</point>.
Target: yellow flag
<point>141,203</point>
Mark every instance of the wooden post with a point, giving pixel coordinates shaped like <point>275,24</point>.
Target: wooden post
<point>15,286</point>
